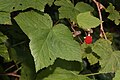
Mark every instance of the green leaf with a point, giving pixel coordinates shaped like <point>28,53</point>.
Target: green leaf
<point>3,48</point>
<point>92,59</point>
<point>50,2</point>
<point>111,63</point>
<point>110,60</point>
<point>14,5</point>
<point>83,7</point>
<point>5,18</point>
<point>72,66</point>
<point>102,48</point>
<point>62,74</point>
<point>117,75</point>
<point>87,21</point>
<point>68,10</point>
<point>114,14</point>
<point>46,42</point>
<point>88,53</point>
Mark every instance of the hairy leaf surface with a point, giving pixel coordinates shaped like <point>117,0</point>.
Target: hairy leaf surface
<point>47,42</point>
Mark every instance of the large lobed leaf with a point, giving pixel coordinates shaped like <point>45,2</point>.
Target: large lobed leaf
<point>46,42</point>
<point>14,5</point>
<point>109,59</point>
<point>68,10</point>
<point>86,20</point>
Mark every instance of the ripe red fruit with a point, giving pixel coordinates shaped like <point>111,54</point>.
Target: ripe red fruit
<point>88,39</point>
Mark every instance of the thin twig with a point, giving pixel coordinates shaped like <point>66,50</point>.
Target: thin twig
<point>10,67</point>
<point>92,74</point>
<point>100,16</point>
<point>17,70</point>
<point>18,43</point>
<point>11,74</point>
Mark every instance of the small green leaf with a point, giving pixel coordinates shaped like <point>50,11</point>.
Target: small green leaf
<point>87,21</point>
<point>68,10</point>
<point>5,18</point>
<point>92,59</point>
<point>46,42</point>
<point>114,14</point>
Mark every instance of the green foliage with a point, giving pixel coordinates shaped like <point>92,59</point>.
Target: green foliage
<point>109,59</point>
<point>61,74</point>
<point>117,75</point>
<point>45,40</point>
<point>87,21</point>
<point>20,54</point>
<point>5,18</point>
<point>68,10</point>
<point>3,48</point>
<point>48,43</point>
<point>114,14</point>
<point>11,5</point>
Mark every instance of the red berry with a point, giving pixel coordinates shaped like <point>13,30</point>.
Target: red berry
<point>88,39</point>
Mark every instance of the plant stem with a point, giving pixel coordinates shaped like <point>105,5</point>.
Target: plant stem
<point>17,70</point>
<point>11,74</point>
<point>100,16</point>
<point>93,74</point>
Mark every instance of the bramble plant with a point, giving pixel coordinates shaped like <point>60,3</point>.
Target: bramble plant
<point>59,40</point>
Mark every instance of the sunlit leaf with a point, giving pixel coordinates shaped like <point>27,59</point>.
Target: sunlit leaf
<point>92,59</point>
<point>47,42</point>
<point>68,10</point>
<point>86,20</point>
